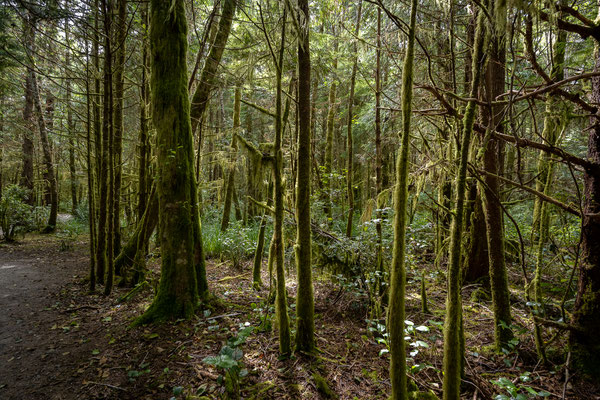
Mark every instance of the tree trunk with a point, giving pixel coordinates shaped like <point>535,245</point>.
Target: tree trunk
<point>107,143</point>
<point>258,254</point>
<point>281,299</point>
<point>70,124</point>
<point>453,350</point>
<point>584,344</point>
<point>208,78</point>
<point>48,165</point>
<point>144,141</point>
<point>90,175</point>
<point>232,162</point>
<point>177,295</point>
<point>350,143</point>
<point>119,87</point>
<point>396,310</point>
<point>28,134</point>
<point>495,86</point>
<point>305,325</point>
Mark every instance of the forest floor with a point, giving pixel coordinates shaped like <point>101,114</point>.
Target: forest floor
<point>59,342</point>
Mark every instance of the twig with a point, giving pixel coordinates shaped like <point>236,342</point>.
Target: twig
<point>107,385</point>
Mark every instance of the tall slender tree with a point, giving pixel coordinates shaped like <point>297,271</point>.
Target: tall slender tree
<point>305,340</point>
<point>398,270</point>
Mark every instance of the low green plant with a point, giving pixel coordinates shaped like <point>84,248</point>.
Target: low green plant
<point>229,361</point>
<point>68,234</point>
<point>518,390</point>
<point>15,213</point>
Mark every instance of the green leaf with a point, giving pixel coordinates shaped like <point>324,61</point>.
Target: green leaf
<point>177,390</point>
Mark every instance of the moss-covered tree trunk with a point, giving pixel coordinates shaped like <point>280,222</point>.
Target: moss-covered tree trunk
<point>208,77</point>
<point>305,325</point>
<point>91,197</point>
<point>494,87</point>
<point>398,273</point>
<point>144,141</point>
<point>476,266</point>
<point>119,89</point>
<point>584,344</point>
<point>349,140</point>
<point>100,242</point>
<point>229,188</point>
<point>331,113</point>
<point>136,247</point>
<point>281,299</point>
<point>378,150</point>
<point>73,182</point>
<point>28,133</point>
<point>453,350</point>
<point>177,295</point>
<point>108,141</point>
<point>48,164</point>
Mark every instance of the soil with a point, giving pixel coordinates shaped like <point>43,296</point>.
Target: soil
<point>58,341</point>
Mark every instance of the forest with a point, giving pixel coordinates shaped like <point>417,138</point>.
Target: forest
<point>293,199</point>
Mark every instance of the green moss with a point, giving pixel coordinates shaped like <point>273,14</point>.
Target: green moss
<point>323,386</point>
<point>422,396</point>
<point>480,295</point>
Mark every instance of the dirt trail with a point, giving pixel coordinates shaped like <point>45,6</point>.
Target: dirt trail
<point>32,354</point>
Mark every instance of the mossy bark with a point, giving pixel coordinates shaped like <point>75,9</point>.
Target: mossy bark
<point>28,134</point>
<point>494,87</point>
<point>177,295</point>
<point>135,249</point>
<point>119,89</point>
<point>281,299</point>
<point>331,113</point>
<point>90,176</point>
<point>47,157</point>
<point>584,344</point>
<point>229,189</point>
<point>305,325</point>
<point>453,351</point>
<point>398,270</point>
<point>476,266</point>
<point>108,142</point>
<point>73,181</point>
<point>349,138</point>
<point>144,142</point>
<point>208,77</point>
